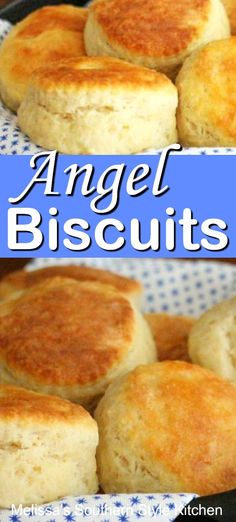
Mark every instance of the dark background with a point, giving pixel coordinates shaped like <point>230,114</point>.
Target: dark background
<point>8,265</point>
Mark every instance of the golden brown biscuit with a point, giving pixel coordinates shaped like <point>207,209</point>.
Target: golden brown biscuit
<point>71,339</point>
<point>16,282</point>
<point>158,33</point>
<point>171,334</point>
<point>47,448</point>
<point>212,341</point>
<point>207,100</point>
<point>230,6</point>
<point>45,36</point>
<point>99,106</point>
<point>170,427</point>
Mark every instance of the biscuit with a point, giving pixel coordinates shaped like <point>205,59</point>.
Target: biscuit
<point>71,339</point>
<point>230,7</point>
<point>159,34</point>
<point>17,282</point>
<point>47,448</point>
<point>45,36</point>
<point>99,106</point>
<point>206,85</point>
<point>171,335</point>
<point>212,341</point>
<point>170,427</point>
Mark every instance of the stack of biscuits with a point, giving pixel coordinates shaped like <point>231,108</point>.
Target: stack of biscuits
<point>122,76</point>
<point>95,394</point>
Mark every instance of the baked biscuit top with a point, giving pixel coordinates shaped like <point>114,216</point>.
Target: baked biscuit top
<point>18,402</point>
<point>64,17</point>
<point>102,72</point>
<point>64,332</point>
<point>207,79</point>
<point>154,28</point>
<point>22,279</point>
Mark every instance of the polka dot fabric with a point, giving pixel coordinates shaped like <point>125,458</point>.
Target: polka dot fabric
<point>13,141</point>
<point>105,508</point>
<point>176,287</point>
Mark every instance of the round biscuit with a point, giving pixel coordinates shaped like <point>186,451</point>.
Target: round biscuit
<point>47,448</point>
<point>17,282</point>
<point>99,105</point>
<point>45,36</point>
<point>207,99</point>
<point>71,339</point>
<point>159,34</point>
<point>170,427</point>
<point>212,341</point>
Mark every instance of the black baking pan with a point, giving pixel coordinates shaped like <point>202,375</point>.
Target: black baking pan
<point>18,9</point>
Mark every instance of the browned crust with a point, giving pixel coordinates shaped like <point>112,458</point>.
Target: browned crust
<point>189,416</point>
<point>66,17</point>
<point>100,72</point>
<point>17,402</point>
<point>160,28</point>
<point>230,6</point>
<point>47,35</point>
<point>214,98</point>
<point>22,279</point>
<point>65,333</point>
